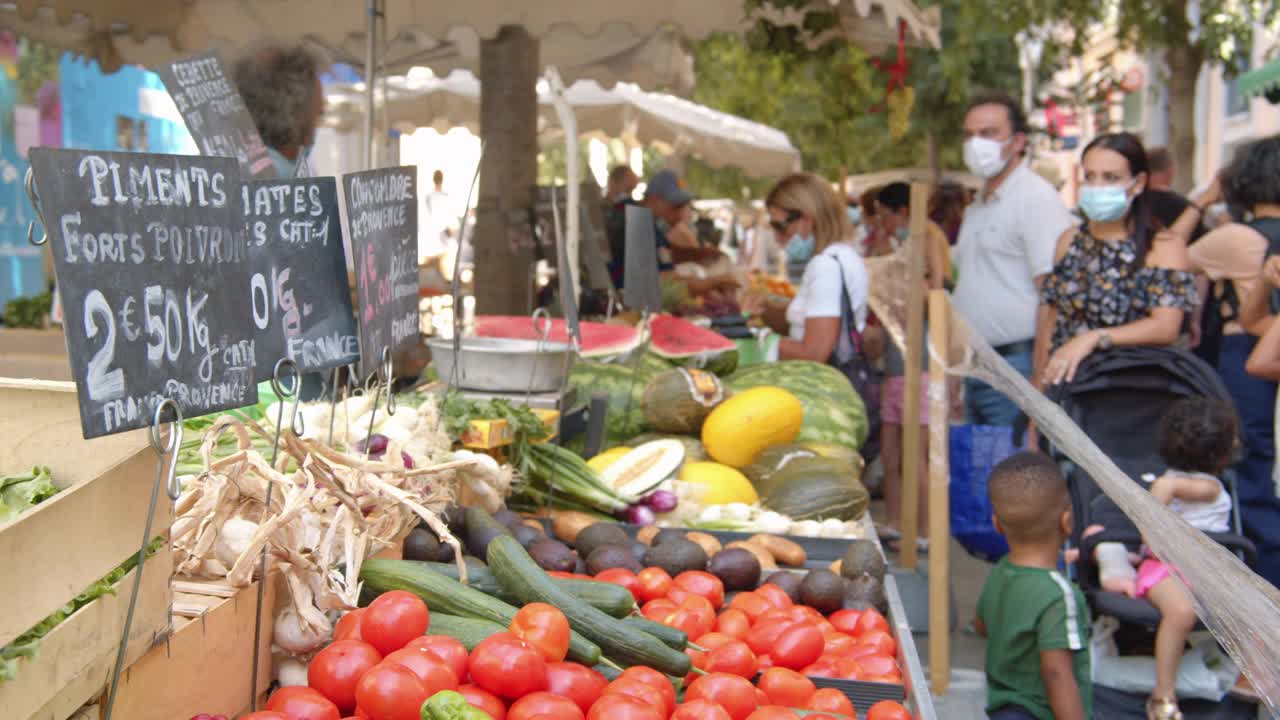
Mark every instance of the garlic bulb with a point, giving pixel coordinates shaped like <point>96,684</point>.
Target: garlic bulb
<point>291,672</point>
<point>233,539</point>
<point>293,635</point>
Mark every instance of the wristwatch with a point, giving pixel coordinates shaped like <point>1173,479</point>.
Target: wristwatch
<point>1104,340</point>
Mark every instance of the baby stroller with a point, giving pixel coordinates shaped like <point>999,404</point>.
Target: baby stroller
<point>1118,399</point>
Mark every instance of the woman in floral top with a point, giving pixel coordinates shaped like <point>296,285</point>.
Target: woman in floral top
<point>1118,278</point>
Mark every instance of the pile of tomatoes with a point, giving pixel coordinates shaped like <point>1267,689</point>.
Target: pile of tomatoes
<point>382,666</point>
<point>764,628</point>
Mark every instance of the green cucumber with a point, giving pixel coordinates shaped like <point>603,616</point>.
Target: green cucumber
<point>672,637</point>
<point>451,597</point>
<point>613,599</point>
<point>624,644</point>
<point>468,631</point>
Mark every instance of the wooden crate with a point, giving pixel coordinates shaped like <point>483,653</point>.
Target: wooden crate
<point>204,666</point>
<point>40,354</point>
<point>62,546</point>
<point>73,663</point>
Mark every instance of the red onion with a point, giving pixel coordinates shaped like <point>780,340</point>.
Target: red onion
<point>662,501</point>
<point>639,515</point>
<point>408,460</point>
<point>374,445</point>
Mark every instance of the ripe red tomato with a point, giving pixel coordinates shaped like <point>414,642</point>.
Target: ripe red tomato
<point>734,658</point>
<point>888,710</point>
<point>348,627</point>
<point>508,667</point>
<point>870,620</point>
<point>655,680</point>
<point>838,644</point>
<point>699,660</point>
<point>302,703</point>
<point>751,604</point>
<point>713,640</point>
<point>393,619</point>
<point>435,674</point>
<point>764,662</point>
<point>880,641</point>
<point>485,700</point>
<point>824,716</point>
<point>797,645</point>
<point>775,596</point>
<point>336,670</point>
<point>773,712</point>
<point>544,627</point>
<point>577,682</point>
<point>700,710</point>
<point>736,695</point>
<point>653,583</point>
<point>733,623</point>
<point>452,652</point>
<point>617,706</point>
<point>805,614</point>
<point>642,691</point>
<point>761,698</point>
<point>825,666</point>
<point>764,634</point>
<point>659,609</point>
<point>693,619</point>
<point>702,584</point>
<point>623,577</point>
<point>545,703</point>
<point>391,692</point>
<point>830,700</point>
<point>846,621</point>
<point>265,715</point>
<point>873,665</point>
<point>786,687</point>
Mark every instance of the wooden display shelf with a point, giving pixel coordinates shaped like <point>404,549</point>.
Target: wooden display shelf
<point>73,663</point>
<point>205,664</point>
<point>40,354</point>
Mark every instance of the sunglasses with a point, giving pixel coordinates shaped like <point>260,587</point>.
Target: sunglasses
<point>782,225</point>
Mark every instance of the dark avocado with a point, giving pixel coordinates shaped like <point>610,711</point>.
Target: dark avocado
<point>676,556</point>
<point>823,591</point>
<point>598,535</point>
<point>526,535</point>
<point>508,518</point>
<point>638,549</point>
<point>425,546</point>
<point>788,581</point>
<point>865,592</point>
<point>863,558</point>
<point>482,528</point>
<point>667,535</point>
<point>612,556</point>
<point>553,555</point>
<point>738,569</point>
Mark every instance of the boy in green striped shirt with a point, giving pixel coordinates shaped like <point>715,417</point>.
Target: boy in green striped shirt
<point>1035,620</point>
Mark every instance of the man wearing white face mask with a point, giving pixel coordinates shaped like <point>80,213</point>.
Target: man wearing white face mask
<point>1005,247</point>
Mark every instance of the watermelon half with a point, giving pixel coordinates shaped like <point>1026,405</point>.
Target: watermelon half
<point>598,339</point>
<point>692,345</point>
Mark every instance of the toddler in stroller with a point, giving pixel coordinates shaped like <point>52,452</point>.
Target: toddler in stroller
<point>1198,437</point>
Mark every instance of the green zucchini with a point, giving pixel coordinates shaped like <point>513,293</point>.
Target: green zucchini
<point>613,599</point>
<point>625,644</point>
<point>451,597</point>
<point>468,631</point>
<point>672,637</point>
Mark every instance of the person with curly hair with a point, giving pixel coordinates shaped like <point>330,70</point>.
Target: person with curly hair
<point>1197,439</point>
<point>281,88</point>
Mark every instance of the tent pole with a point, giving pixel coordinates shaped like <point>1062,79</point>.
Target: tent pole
<point>371,30</point>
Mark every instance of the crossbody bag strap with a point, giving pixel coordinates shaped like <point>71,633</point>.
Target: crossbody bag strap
<point>847,317</point>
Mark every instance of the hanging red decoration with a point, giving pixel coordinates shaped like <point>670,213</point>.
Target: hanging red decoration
<point>896,71</point>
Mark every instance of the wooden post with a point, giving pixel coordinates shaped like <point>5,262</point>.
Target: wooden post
<point>939,497</point>
<point>916,250</point>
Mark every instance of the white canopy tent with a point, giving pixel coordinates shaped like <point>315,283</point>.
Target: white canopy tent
<point>625,111</point>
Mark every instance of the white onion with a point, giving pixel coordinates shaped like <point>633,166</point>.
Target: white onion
<point>233,539</point>
<point>292,635</point>
<point>291,672</point>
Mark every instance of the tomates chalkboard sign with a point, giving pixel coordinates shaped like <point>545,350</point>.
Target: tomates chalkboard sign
<point>382,223</point>
<point>153,271</point>
<point>298,287</point>
<point>215,113</point>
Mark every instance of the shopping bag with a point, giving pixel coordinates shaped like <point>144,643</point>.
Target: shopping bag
<point>975,450</point>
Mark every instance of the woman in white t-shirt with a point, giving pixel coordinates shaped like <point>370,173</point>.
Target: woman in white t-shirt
<point>829,311</point>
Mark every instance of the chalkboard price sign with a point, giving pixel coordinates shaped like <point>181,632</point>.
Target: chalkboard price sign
<point>382,223</point>
<point>153,272</point>
<point>298,284</point>
<point>215,113</point>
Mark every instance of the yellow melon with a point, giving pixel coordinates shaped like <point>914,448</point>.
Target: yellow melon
<point>747,423</point>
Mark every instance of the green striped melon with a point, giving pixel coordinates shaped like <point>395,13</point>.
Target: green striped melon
<point>817,488</point>
<point>625,389</point>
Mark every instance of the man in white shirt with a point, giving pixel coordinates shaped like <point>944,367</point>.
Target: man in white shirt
<point>438,223</point>
<point>1005,248</point>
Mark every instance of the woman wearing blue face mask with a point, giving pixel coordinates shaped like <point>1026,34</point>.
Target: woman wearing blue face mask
<point>1118,278</point>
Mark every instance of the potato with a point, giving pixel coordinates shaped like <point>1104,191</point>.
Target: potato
<point>782,549</point>
<point>766,559</point>
<point>835,566</point>
<point>708,542</point>
<point>647,533</point>
<point>536,525</point>
<point>566,524</point>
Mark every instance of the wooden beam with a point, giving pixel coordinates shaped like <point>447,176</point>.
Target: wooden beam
<point>916,249</point>
<point>939,498</point>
